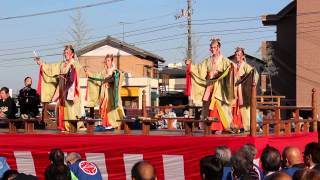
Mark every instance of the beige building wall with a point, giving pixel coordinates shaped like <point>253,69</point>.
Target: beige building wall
<point>308,50</point>
<point>131,64</point>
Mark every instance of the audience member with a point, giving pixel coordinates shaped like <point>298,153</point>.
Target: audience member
<point>211,168</point>
<point>224,154</point>
<point>311,155</point>
<point>243,167</point>
<point>270,160</point>
<point>250,151</point>
<point>279,176</point>
<point>10,174</point>
<point>291,160</point>
<point>306,174</point>
<point>15,175</point>
<point>82,169</point>
<point>57,170</point>
<point>4,166</point>
<point>8,107</point>
<point>143,170</point>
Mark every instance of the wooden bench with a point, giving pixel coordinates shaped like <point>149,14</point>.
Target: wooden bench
<point>28,124</point>
<point>89,122</point>
<point>146,122</point>
<point>127,122</point>
<point>188,124</point>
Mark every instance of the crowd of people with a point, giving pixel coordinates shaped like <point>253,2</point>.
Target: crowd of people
<point>73,167</point>
<point>290,164</point>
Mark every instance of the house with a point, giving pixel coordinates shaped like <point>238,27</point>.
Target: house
<point>172,85</point>
<point>296,50</point>
<point>140,67</point>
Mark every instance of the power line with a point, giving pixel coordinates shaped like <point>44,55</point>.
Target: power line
<point>162,27</point>
<point>60,10</point>
<point>179,47</point>
<point>159,39</point>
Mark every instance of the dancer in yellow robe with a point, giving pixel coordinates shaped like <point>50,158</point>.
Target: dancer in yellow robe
<point>241,103</point>
<point>59,83</point>
<point>104,89</point>
<point>212,83</point>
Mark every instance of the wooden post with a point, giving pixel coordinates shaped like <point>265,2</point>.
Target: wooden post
<point>127,129</point>
<point>91,112</point>
<point>207,127</point>
<point>188,128</point>
<point>253,108</point>
<point>144,104</point>
<point>287,128</point>
<point>297,121</point>
<point>145,125</point>
<point>45,115</point>
<point>314,111</point>
<point>277,121</point>
<point>265,128</point>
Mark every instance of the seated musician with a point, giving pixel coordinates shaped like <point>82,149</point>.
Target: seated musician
<point>8,108</point>
<point>29,100</point>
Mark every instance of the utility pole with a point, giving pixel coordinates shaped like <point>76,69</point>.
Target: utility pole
<point>189,10</point>
<point>123,23</point>
<point>188,14</point>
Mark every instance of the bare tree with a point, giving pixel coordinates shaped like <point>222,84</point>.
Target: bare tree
<point>79,31</point>
<point>268,57</point>
<point>270,68</point>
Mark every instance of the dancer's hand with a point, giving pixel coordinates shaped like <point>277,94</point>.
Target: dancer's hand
<point>38,61</point>
<point>188,61</point>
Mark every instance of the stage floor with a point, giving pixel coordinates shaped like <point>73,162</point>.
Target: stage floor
<point>164,132</point>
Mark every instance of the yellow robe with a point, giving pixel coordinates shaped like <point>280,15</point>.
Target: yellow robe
<point>222,93</point>
<point>99,92</point>
<point>50,84</point>
<point>245,91</point>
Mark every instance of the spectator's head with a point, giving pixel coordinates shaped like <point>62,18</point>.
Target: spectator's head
<point>306,174</point>
<point>56,156</point>
<point>249,150</point>
<point>279,176</point>
<point>311,154</point>
<point>10,174</point>
<point>4,93</point>
<point>211,168</point>
<point>72,157</point>
<point>57,172</point>
<point>28,81</point>
<point>143,170</point>
<point>224,154</point>
<point>291,156</point>
<point>270,159</point>
<point>241,165</point>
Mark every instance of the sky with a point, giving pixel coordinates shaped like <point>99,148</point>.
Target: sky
<point>148,24</point>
